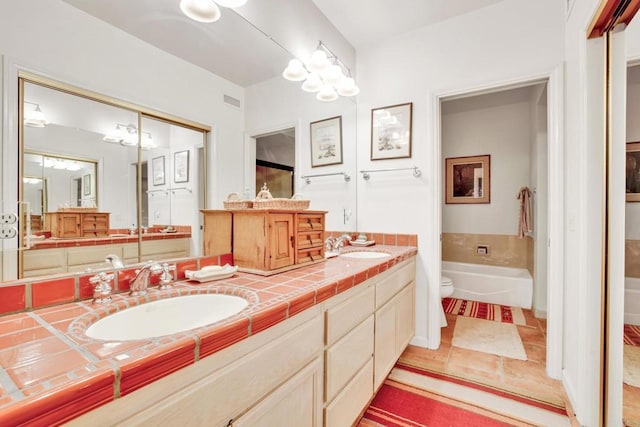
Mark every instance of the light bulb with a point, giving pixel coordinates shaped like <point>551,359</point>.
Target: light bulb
<point>295,71</point>
<point>318,61</point>
<point>347,87</point>
<point>200,10</point>
<point>313,83</point>
<point>333,75</point>
<point>327,94</point>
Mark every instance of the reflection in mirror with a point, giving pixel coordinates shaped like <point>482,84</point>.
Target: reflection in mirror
<point>631,348</point>
<point>88,172</point>
<point>172,181</point>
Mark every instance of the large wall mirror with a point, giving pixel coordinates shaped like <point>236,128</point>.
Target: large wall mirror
<point>129,180</point>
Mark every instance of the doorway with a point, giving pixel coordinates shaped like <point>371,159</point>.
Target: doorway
<point>539,158</point>
<point>275,162</point>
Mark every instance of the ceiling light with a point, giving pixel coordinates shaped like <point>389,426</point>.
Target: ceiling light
<point>327,94</point>
<point>35,118</point>
<point>313,83</point>
<point>295,71</point>
<point>200,10</point>
<point>319,61</point>
<point>324,74</point>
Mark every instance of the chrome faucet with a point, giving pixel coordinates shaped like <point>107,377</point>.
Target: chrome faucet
<point>140,283</point>
<point>335,243</point>
<point>115,261</point>
<point>101,287</point>
<point>341,241</point>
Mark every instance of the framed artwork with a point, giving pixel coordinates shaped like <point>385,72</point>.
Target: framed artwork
<point>391,132</point>
<point>326,142</point>
<point>632,176</point>
<point>181,166</point>
<point>157,170</point>
<point>468,179</point>
<point>86,185</point>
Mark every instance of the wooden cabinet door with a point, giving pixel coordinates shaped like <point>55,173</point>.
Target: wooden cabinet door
<point>295,403</point>
<point>68,225</point>
<point>384,342</point>
<point>405,317</point>
<point>281,250</point>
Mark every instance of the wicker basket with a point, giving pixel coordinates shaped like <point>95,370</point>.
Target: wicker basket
<point>264,200</point>
<point>233,202</point>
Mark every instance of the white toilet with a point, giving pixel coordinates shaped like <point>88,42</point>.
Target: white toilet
<point>446,289</point>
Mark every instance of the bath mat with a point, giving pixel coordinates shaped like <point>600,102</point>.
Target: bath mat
<point>632,335</point>
<point>401,405</point>
<point>631,367</point>
<point>501,339</point>
<point>484,310</point>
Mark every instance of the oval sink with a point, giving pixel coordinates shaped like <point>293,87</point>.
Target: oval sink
<point>364,255</point>
<point>166,316</point>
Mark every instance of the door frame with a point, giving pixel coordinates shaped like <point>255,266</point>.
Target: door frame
<point>555,210</point>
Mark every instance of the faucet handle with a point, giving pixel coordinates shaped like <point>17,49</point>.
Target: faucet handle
<point>166,278</point>
<point>102,287</point>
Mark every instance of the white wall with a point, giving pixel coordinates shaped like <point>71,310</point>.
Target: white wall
<point>488,47</point>
<point>54,39</point>
<point>279,104</point>
<point>497,124</point>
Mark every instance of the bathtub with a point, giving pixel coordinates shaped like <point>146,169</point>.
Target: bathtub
<point>632,301</point>
<point>488,283</point>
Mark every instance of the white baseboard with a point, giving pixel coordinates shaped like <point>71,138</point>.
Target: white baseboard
<point>420,341</point>
<point>540,314</point>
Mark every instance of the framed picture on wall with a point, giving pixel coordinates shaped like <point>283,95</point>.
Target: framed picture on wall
<point>86,185</point>
<point>632,175</point>
<point>391,132</point>
<point>468,179</point>
<point>181,166</point>
<point>326,142</point>
<point>157,170</point>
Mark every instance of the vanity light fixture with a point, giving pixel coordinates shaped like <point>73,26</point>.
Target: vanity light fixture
<point>35,118</point>
<point>207,10</point>
<point>127,135</point>
<point>324,74</point>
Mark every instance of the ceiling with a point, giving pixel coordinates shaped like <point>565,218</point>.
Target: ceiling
<point>236,50</point>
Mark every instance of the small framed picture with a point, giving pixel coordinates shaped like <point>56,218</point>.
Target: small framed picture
<point>86,185</point>
<point>391,132</point>
<point>326,142</point>
<point>632,180</point>
<point>157,170</point>
<point>181,166</point>
<point>468,179</point>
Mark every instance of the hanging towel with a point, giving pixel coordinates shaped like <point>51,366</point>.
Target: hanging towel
<point>524,223</point>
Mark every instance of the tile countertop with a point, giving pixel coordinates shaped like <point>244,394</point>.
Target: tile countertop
<point>55,242</point>
<point>51,372</point>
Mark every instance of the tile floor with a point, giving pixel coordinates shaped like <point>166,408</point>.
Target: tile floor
<point>631,408</point>
<point>524,377</point>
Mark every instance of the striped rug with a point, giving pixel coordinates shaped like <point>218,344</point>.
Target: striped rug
<point>401,405</point>
<point>483,310</point>
<point>632,335</point>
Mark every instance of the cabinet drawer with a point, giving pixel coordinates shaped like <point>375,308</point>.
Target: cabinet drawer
<point>345,316</point>
<point>308,255</point>
<point>346,357</point>
<point>347,406</point>
<point>310,222</point>
<point>391,284</point>
<point>310,239</point>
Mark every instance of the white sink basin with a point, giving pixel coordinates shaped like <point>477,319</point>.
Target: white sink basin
<point>364,255</point>
<point>166,316</point>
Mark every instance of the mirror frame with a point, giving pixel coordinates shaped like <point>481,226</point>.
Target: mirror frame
<point>141,111</point>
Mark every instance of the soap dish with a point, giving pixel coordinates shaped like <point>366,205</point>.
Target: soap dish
<point>211,272</point>
<point>362,243</point>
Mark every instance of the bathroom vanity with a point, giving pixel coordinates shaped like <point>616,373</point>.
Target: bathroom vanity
<point>320,366</point>
<point>74,223</point>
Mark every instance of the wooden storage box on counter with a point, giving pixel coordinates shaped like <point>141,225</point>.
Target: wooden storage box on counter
<point>266,241</point>
<point>74,224</point>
